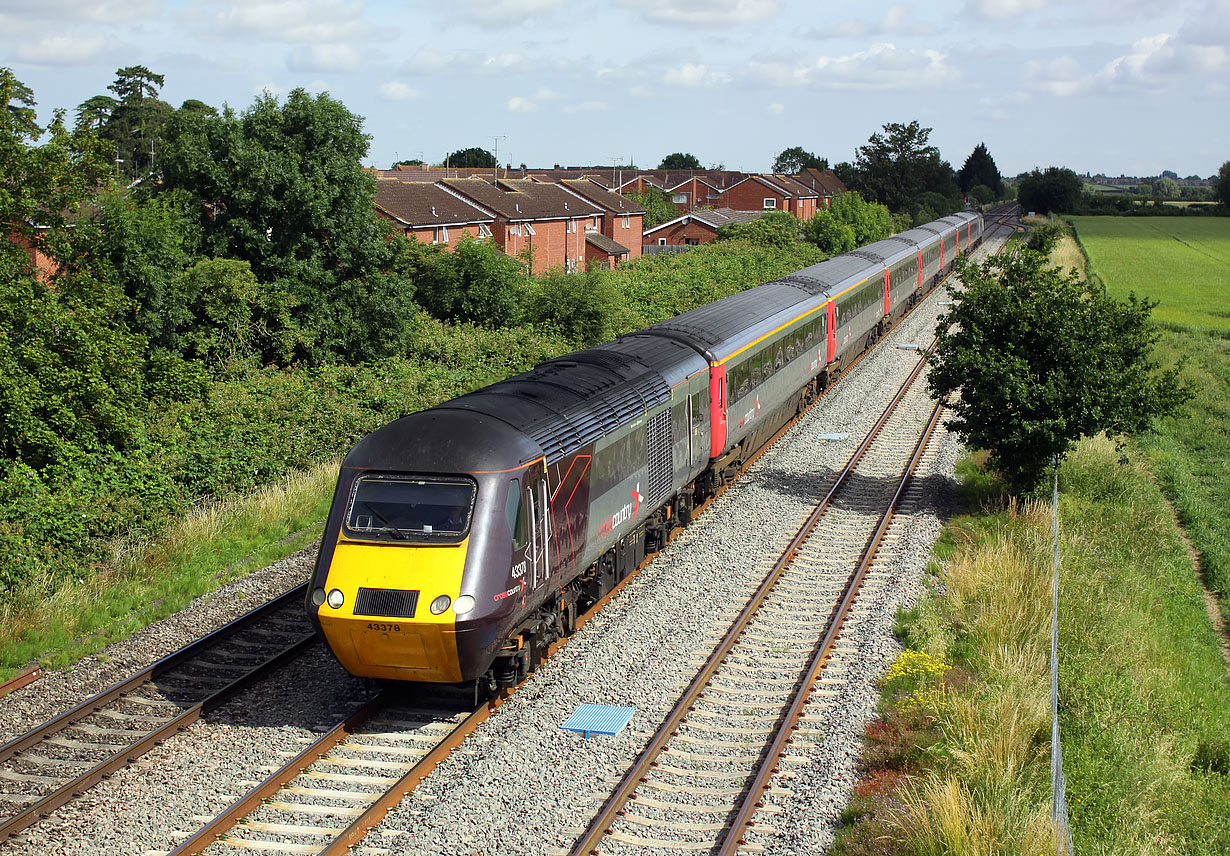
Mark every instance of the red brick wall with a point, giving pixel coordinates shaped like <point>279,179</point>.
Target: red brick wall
<point>750,196</point>
<point>613,228</point>
<point>679,233</point>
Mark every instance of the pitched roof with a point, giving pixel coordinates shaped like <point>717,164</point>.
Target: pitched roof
<point>715,218</point>
<point>523,199</point>
<point>609,245</point>
<point>602,197</point>
<point>420,203</point>
<point>822,181</point>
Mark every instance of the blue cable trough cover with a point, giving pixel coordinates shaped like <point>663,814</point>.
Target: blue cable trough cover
<point>590,719</point>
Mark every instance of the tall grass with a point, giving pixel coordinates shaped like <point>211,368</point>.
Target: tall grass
<point>56,621</point>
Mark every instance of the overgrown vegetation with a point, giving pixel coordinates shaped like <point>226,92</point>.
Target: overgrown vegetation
<point>958,762</point>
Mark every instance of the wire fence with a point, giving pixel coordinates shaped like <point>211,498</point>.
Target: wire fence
<point>1059,783</point>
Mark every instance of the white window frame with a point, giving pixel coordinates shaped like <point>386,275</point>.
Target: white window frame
<point>770,202</point>
<point>661,242</point>
<point>444,234</point>
<point>484,231</point>
<point>627,221</point>
<point>529,229</point>
<point>678,198</point>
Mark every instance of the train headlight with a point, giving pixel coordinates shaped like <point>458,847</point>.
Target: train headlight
<point>318,596</point>
<point>440,604</point>
<point>463,604</point>
<point>336,598</point>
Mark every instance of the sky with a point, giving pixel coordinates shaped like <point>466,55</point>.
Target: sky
<point>1122,87</point>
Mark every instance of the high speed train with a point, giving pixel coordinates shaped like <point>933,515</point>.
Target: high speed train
<point>466,538</point>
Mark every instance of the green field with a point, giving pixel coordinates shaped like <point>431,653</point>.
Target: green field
<point>1183,263</point>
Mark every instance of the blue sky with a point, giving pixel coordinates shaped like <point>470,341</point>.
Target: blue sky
<point>1119,86</point>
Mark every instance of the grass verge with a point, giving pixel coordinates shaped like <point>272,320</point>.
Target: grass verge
<point>58,621</point>
<point>958,762</point>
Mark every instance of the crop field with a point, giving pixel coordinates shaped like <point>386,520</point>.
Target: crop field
<point>1183,263</point>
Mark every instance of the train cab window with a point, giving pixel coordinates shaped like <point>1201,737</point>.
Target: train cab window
<point>512,510</point>
<point>698,409</point>
<point>410,508</point>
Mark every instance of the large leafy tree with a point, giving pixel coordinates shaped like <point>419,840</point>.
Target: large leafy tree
<point>897,167</point>
<point>796,159</point>
<point>471,157</point>
<point>657,204</point>
<point>1221,187</point>
<point>680,160</point>
<point>1038,359</point>
<point>132,120</point>
<point>70,378</point>
<point>980,169</point>
<point>1055,189</point>
<point>281,187</point>
<point>847,223</point>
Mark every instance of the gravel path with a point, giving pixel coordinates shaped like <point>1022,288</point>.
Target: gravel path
<point>520,785</point>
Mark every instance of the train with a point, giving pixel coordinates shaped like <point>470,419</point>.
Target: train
<point>465,539</point>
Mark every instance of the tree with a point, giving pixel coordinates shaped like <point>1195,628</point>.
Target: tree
<point>194,105</point>
<point>94,112</point>
<point>680,160</point>
<point>657,204</point>
<point>472,157</point>
<point>1039,359</point>
<point>779,229</point>
<point>979,169</point>
<point>1166,188</point>
<point>794,160</point>
<point>1055,189</point>
<point>829,233</point>
<point>1221,187</point>
<point>898,166</point>
<point>136,83</point>
<point>869,220</point>
<point>282,187</point>
<point>17,101</point>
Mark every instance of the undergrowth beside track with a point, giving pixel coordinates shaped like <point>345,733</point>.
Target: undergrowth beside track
<point>958,763</point>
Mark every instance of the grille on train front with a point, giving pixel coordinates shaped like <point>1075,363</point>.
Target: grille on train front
<point>386,603</point>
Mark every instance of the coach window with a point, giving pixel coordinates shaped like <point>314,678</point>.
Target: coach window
<point>779,359</point>
<point>512,509</point>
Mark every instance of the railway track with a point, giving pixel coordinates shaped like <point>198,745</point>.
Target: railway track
<point>70,753</point>
<point>704,776</point>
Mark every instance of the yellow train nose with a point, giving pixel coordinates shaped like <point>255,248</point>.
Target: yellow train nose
<point>385,625</point>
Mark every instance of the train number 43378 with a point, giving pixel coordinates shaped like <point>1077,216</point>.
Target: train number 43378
<point>386,627</point>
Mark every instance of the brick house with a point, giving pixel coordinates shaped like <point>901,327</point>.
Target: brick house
<point>772,193</point>
<point>622,219</point>
<point>431,213</point>
<point>696,227</point>
<point>542,219</point>
<point>824,182</point>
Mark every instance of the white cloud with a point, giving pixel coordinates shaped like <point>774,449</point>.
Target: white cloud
<point>896,20</point>
<point>881,67</point>
<point>693,75</point>
<point>269,89</point>
<point>310,21</point>
<point>776,109</point>
<point>1152,64</point>
<point>326,58</point>
<point>466,62</point>
<point>705,13</point>
<point>1208,26</point>
<point>494,14</point>
<point>999,9</point>
<point>62,50</point>
<point>517,104</point>
<point>102,11</point>
<point>395,90</point>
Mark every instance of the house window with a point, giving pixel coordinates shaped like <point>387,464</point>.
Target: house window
<point>661,242</point>
<point>484,231</point>
<point>692,242</point>
<point>680,199</point>
<point>627,222</point>
<point>572,226</point>
<point>770,203</point>
<point>529,229</point>
<point>444,234</point>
